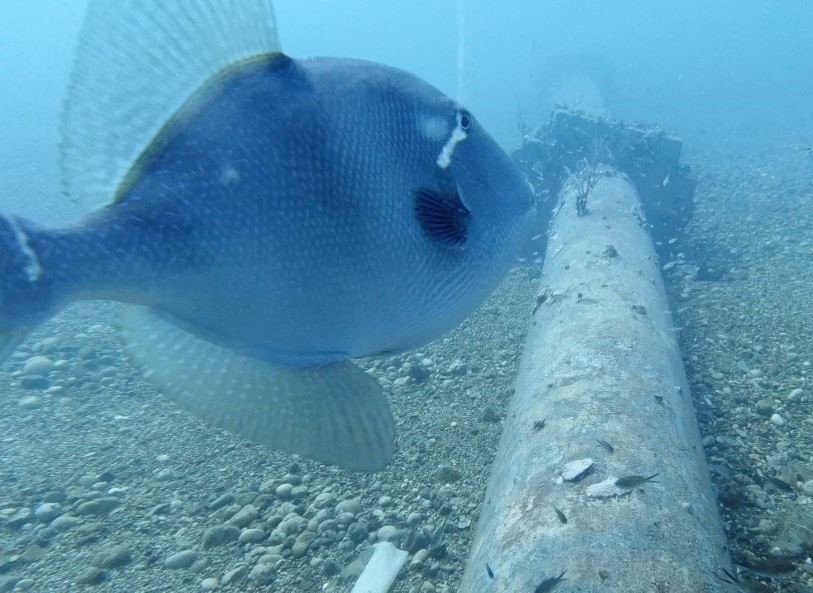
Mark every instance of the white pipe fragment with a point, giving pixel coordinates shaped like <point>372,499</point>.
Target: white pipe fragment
<point>381,570</point>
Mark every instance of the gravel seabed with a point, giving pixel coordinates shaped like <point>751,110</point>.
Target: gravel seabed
<point>743,295</point>
<point>102,480</point>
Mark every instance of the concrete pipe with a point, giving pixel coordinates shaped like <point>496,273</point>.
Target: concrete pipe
<point>600,483</point>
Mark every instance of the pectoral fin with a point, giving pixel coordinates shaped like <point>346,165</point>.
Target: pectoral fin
<point>335,413</point>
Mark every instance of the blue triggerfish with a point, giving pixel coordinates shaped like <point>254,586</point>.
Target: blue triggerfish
<point>263,220</point>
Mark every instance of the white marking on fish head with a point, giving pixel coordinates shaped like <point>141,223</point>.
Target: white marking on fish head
<point>458,135</point>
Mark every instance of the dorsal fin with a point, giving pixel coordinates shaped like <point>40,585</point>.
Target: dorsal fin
<point>137,63</point>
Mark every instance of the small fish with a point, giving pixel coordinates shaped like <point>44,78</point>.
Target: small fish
<point>489,572</point>
<point>560,514</point>
<point>549,583</point>
<point>629,482</point>
<point>540,424</point>
<point>747,585</point>
<point>779,484</point>
<point>770,567</point>
<point>263,221</point>
<point>606,446</point>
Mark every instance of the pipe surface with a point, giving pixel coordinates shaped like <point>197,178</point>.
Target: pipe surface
<point>601,363</point>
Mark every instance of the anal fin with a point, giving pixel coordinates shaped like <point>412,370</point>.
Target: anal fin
<point>335,413</point>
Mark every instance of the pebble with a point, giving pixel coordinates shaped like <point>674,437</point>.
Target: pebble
<point>576,469</point>
<point>283,491</point>
<point>90,576</point>
<point>605,489</point>
<point>244,516</point>
<point>29,402</point>
<point>64,522</point>
<point>347,506</point>
<point>34,382</point>
<point>24,585</point>
<point>234,575</point>
<point>20,518</point>
<point>32,553</point>
<point>777,419</point>
<point>330,567</point>
<point>262,574</point>
<point>219,535</point>
<point>209,584</point>
<point>764,407</point>
<point>447,474</point>
<point>38,366</point>
<point>221,501</point>
<point>252,536</point>
<point>796,394</point>
<point>302,543</point>
<point>98,506</point>
<point>47,512</point>
<point>112,557</point>
<point>182,559</point>
<point>807,487</point>
<point>387,533</point>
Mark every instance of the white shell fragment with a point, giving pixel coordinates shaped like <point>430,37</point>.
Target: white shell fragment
<point>605,489</point>
<point>576,469</point>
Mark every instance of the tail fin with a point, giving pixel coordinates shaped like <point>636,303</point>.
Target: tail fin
<point>24,294</point>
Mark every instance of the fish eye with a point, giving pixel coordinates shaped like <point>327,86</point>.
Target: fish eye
<point>465,121</point>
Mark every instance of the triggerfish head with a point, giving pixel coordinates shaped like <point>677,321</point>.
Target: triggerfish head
<point>263,220</point>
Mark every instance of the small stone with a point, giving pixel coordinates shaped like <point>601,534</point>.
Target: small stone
<point>419,558</point>
<point>38,366</point>
<point>283,491</point>
<point>91,576</point>
<point>182,559</point>
<point>219,535</point>
<point>302,543</point>
<point>47,512</point>
<point>32,382</point>
<point>330,567</point>
<point>98,506</point>
<point>605,489</point>
<point>348,506</point>
<point>209,584</point>
<point>24,585</point>
<point>777,420</point>
<point>387,533</point>
<point>112,557</point>
<point>490,415</point>
<point>252,536</point>
<point>20,518</point>
<point>221,501</point>
<point>163,458</point>
<point>576,469</point>
<point>244,516</point>
<point>64,522</point>
<point>807,487</point>
<point>234,575</point>
<point>447,474</point>
<point>32,553</point>
<point>262,574</point>
<point>764,407</point>
<point>29,402</point>
<point>796,394</point>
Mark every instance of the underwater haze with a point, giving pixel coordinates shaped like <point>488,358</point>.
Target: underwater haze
<point>108,485</point>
